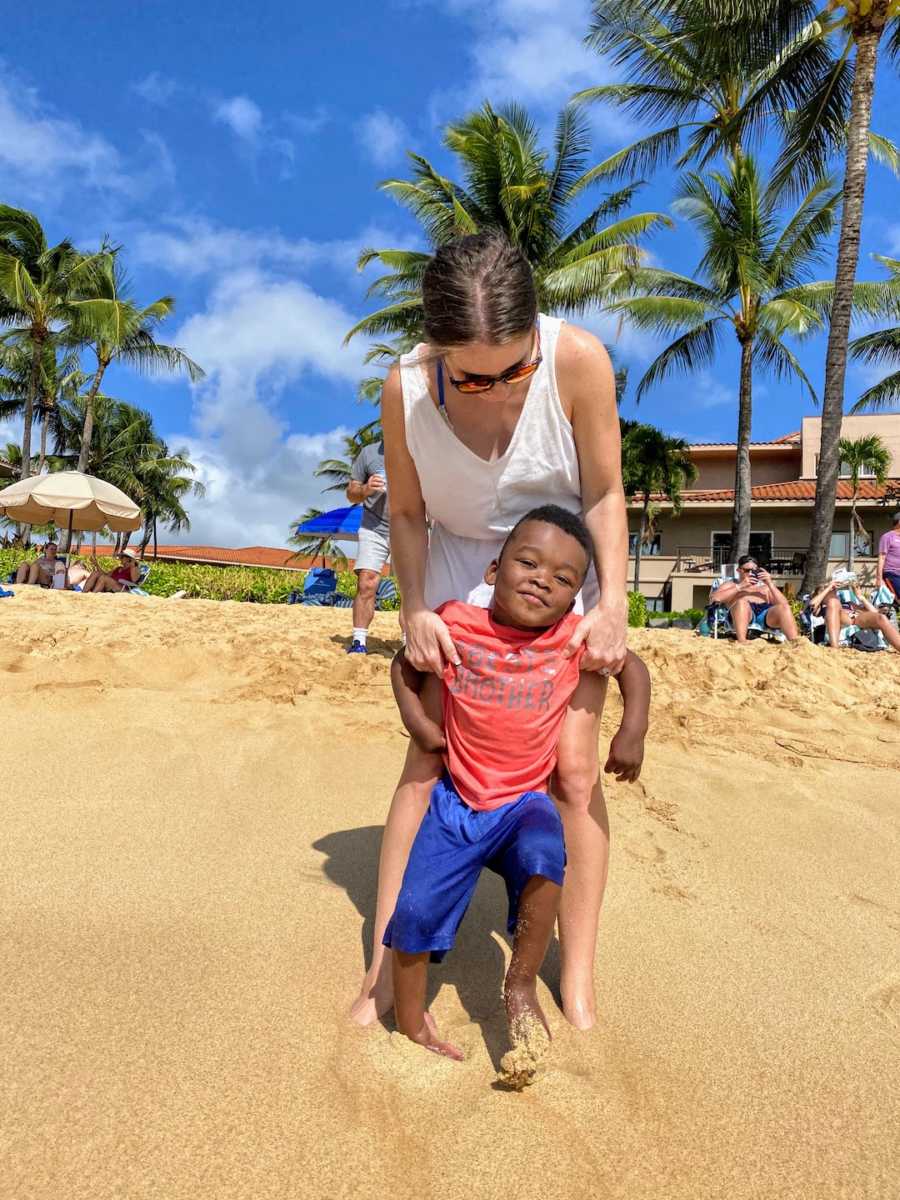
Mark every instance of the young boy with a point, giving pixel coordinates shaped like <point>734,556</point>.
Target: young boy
<point>503,710</point>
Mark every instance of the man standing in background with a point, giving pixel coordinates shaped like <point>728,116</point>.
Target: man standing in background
<point>368,487</point>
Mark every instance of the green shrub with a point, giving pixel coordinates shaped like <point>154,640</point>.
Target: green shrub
<point>637,610</point>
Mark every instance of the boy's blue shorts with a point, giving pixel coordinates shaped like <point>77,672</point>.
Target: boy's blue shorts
<point>454,842</point>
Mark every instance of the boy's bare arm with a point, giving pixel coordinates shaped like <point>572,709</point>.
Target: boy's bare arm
<point>626,751</point>
<point>408,685</point>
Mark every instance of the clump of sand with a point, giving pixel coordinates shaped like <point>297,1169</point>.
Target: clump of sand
<point>193,796</point>
<point>520,1066</point>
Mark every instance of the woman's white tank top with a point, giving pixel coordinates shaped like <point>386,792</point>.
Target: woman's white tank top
<point>473,504</point>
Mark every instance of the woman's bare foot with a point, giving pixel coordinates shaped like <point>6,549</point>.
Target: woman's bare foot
<point>429,1039</point>
<point>376,996</point>
<point>529,1034</point>
<point>579,1007</point>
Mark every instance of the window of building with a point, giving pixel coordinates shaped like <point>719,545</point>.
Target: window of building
<point>844,473</point>
<point>648,548</point>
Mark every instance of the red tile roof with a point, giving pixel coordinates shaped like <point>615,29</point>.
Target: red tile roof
<point>245,556</point>
<point>796,489</point>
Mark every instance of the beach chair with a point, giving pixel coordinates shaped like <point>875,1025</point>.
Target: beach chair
<point>319,588</point>
<point>137,589</point>
<point>386,594</point>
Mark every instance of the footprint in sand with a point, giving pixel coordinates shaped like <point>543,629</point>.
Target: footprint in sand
<point>885,1001</point>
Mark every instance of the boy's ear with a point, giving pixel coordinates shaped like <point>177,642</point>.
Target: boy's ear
<point>490,575</point>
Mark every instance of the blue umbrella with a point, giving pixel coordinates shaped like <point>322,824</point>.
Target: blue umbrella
<point>338,523</point>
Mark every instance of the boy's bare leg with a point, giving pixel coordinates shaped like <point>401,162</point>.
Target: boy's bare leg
<point>409,805</point>
<point>410,981</point>
<point>528,1028</point>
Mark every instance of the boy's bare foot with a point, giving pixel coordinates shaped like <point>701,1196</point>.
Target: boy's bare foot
<point>376,996</point>
<point>429,1039</point>
<point>529,1034</point>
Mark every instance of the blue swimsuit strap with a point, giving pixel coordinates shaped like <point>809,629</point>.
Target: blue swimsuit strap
<point>440,385</point>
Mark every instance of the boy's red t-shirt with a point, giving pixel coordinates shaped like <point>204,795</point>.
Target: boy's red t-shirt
<point>504,706</point>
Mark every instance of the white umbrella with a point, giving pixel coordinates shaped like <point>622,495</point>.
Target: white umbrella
<point>69,500</point>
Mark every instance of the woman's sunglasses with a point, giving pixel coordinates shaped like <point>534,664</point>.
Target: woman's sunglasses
<point>483,383</point>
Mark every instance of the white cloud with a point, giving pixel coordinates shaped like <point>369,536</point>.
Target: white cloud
<point>156,88</point>
<point>382,136</point>
<point>308,124</point>
<point>242,116</point>
<point>252,502</point>
<point>531,52</point>
<point>40,147</point>
<point>194,246</point>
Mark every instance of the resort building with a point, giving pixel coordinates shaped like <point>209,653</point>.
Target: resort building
<point>684,554</point>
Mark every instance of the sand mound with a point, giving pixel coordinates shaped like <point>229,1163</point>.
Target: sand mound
<point>192,811</point>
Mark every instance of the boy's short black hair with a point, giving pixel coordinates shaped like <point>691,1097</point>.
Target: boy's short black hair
<point>568,522</point>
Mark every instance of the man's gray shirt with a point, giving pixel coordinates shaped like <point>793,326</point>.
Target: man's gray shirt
<point>370,461</point>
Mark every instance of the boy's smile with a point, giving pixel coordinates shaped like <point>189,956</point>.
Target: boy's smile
<point>538,576</point>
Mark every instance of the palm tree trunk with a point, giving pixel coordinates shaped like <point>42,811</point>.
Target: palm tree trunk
<point>42,461</point>
<point>839,329</point>
<point>30,399</point>
<point>155,543</point>
<point>741,513</point>
<point>852,530</point>
<point>88,431</point>
<point>640,544</point>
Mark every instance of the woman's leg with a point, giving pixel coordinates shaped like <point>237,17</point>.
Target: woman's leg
<point>409,805</point>
<point>835,617</point>
<point>869,620</point>
<point>577,789</point>
<point>23,574</point>
<point>91,582</point>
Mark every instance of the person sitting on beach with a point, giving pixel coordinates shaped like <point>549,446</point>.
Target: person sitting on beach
<point>117,580</point>
<point>503,709</point>
<point>41,570</point>
<point>753,597</point>
<point>844,605</point>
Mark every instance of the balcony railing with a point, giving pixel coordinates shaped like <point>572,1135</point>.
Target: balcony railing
<point>783,560</point>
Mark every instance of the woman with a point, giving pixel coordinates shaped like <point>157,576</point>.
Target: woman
<point>41,570</point>
<point>499,411</point>
<point>844,606</point>
<point>889,557</point>
<point>117,580</point>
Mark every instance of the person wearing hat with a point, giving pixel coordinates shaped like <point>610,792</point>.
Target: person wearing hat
<point>889,558</point>
<point>117,580</point>
<point>844,605</point>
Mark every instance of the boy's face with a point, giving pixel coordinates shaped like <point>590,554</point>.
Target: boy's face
<point>538,576</point>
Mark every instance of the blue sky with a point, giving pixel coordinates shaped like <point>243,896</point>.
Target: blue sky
<point>234,152</point>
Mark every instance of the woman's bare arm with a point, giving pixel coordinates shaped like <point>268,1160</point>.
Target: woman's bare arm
<point>588,390</point>
<point>428,639</point>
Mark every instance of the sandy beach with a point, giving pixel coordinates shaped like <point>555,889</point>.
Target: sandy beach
<point>192,811</point>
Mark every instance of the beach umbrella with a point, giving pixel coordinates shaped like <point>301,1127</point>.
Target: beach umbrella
<point>69,500</point>
<point>338,523</point>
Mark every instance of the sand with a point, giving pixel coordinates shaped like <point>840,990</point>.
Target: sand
<point>191,819</point>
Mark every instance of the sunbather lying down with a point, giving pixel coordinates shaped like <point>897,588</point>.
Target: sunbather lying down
<point>842,605</point>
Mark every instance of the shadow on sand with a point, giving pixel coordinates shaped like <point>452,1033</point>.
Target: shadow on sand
<point>475,967</point>
<point>380,647</point>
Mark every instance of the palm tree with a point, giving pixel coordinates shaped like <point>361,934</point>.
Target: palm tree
<point>311,546</point>
<point>39,285</point>
<point>654,464</point>
<point>117,328</point>
<point>163,481</point>
<point>862,454</point>
<point>338,469</point>
<point>754,276</point>
<point>881,346</point>
<point>717,77</point>
<point>509,184</point>
<point>860,26</point>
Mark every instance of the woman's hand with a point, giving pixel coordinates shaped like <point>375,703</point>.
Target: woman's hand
<point>429,646</point>
<point>602,632</point>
